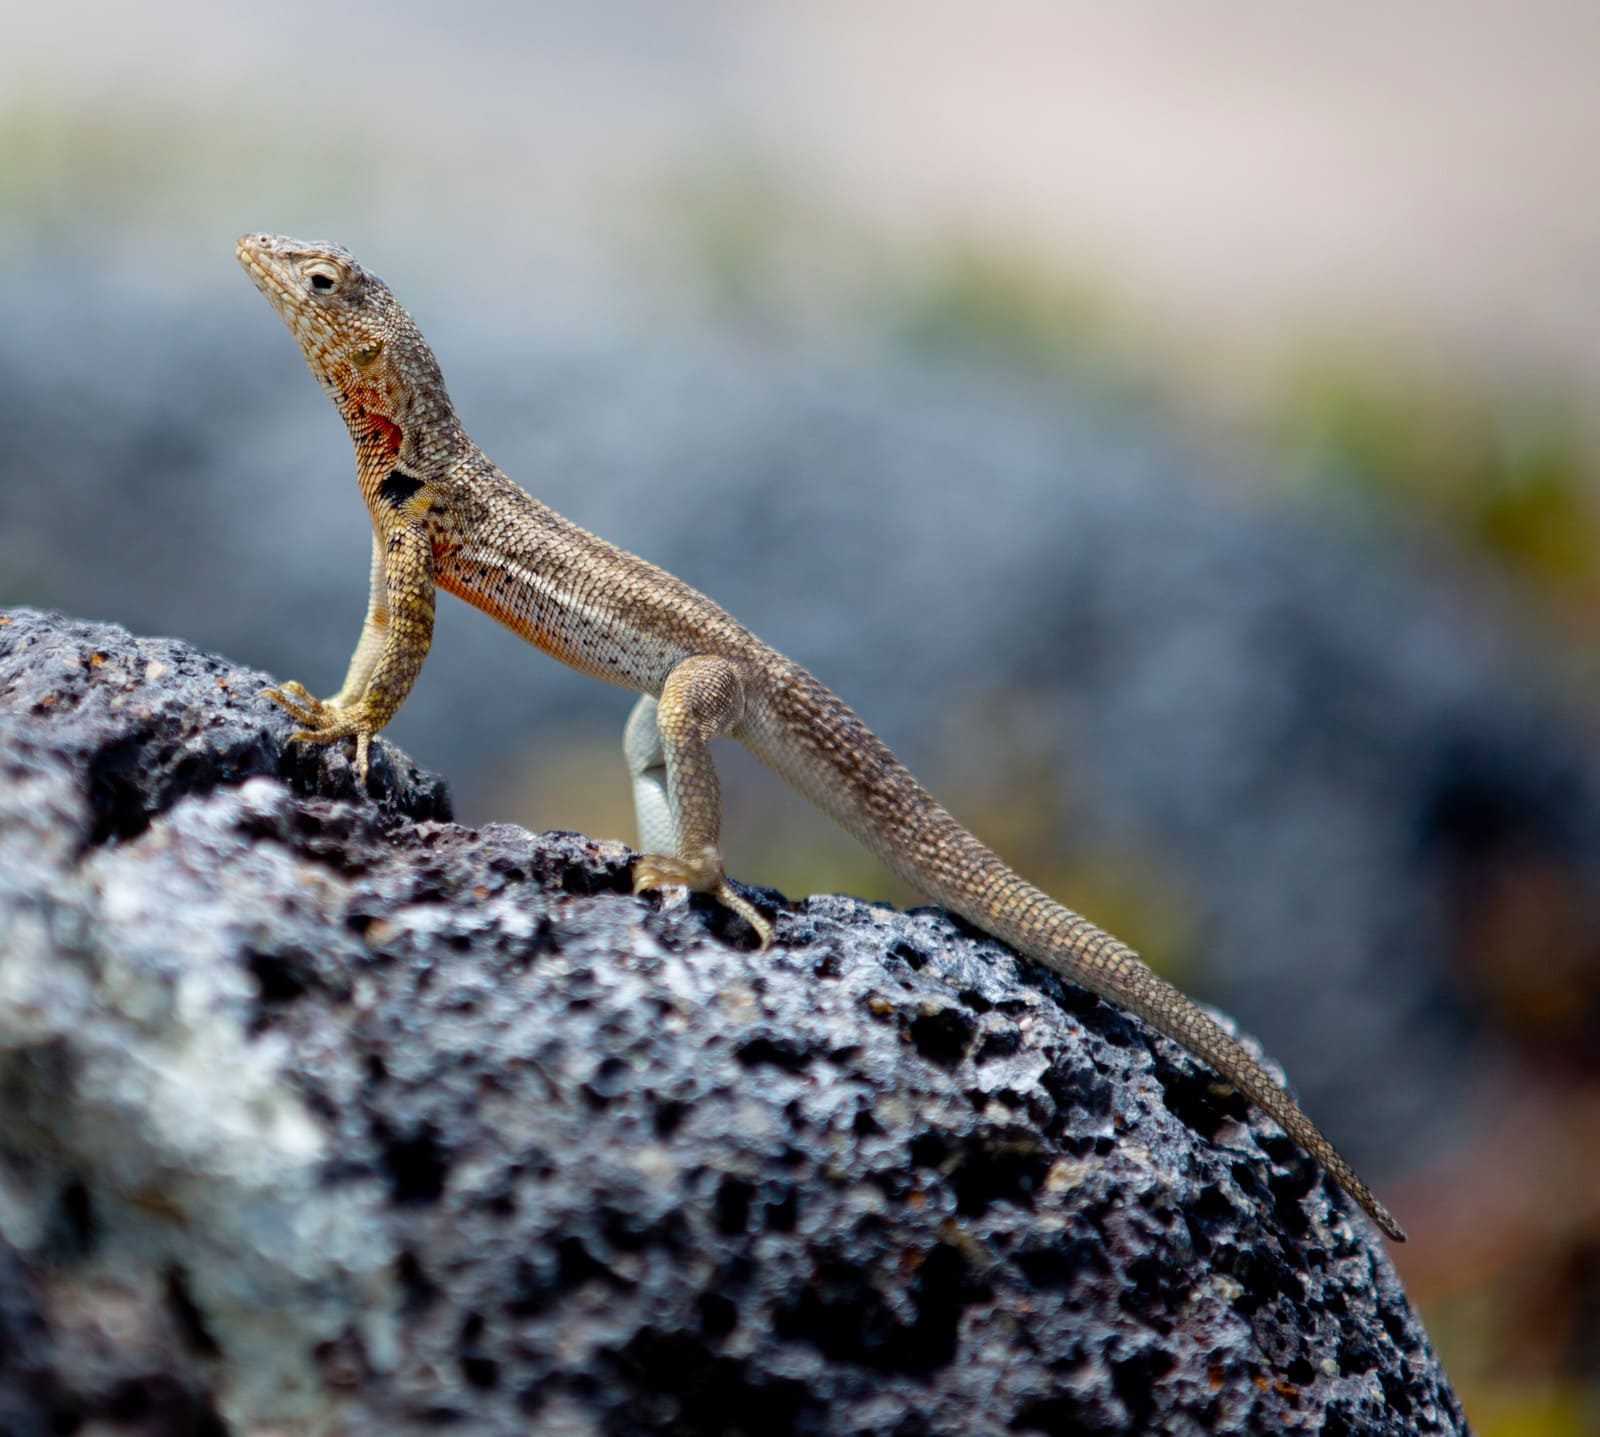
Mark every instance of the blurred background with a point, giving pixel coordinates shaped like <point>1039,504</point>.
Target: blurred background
<point>1171,428</point>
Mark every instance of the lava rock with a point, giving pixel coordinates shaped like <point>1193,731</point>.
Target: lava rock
<point>322,1113</point>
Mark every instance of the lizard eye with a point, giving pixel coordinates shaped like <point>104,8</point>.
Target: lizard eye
<point>321,276</point>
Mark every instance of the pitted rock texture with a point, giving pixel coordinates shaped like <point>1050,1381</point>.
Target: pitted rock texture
<point>320,1113</point>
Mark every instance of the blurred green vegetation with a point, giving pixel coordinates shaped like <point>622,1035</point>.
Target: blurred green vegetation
<point>64,170</point>
<point>975,299</point>
<point>1533,1409</point>
<point>1514,480</point>
<point>744,248</point>
<point>749,249</point>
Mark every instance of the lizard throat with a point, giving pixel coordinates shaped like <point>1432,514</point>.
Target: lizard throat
<point>378,439</point>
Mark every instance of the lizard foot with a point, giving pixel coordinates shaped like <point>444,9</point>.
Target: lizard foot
<point>294,700</point>
<point>325,722</point>
<point>664,870</point>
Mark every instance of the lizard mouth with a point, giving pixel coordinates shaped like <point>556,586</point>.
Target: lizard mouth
<point>249,255</point>
<point>263,268</point>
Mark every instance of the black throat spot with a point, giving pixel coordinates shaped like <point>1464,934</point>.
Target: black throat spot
<point>398,487</point>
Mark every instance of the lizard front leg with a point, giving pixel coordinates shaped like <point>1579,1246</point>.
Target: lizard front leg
<point>394,642</point>
<point>369,647</point>
<point>676,794</point>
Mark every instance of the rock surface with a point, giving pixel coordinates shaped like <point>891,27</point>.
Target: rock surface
<point>319,1113</point>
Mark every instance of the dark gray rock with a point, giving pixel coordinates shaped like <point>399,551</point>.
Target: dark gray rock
<point>322,1113</point>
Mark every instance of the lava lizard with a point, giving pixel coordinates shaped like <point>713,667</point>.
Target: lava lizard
<point>443,516</point>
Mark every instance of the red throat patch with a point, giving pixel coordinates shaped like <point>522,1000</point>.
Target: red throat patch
<point>384,435</point>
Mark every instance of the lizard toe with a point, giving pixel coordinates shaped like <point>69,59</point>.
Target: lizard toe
<point>296,702</point>
<point>664,870</point>
<point>736,902</point>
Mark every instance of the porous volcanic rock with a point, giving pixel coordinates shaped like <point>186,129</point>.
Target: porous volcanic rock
<point>320,1113</point>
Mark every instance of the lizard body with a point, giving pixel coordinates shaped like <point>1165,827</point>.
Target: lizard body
<point>444,516</point>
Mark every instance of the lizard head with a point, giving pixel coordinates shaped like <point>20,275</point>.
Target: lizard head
<point>359,341</point>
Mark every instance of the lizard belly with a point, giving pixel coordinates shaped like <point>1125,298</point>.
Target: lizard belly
<point>583,635</point>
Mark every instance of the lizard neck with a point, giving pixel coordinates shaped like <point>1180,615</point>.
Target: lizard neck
<point>400,418</point>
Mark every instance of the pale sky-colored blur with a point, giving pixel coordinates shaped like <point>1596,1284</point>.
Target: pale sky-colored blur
<point>1241,174</point>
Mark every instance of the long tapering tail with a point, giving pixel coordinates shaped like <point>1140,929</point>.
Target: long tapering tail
<point>1013,910</point>
<point>1072,946</point>
<point>825,751</point>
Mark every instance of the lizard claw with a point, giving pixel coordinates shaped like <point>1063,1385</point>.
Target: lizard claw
<point>294,700</point>
<point>325,722</point>
<point>664,870</point>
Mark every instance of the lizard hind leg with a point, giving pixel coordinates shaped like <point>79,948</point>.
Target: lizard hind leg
<point>647,767</point>
<point>677,798</point>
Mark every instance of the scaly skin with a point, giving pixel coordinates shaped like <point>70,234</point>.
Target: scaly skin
<point>444,516</point>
